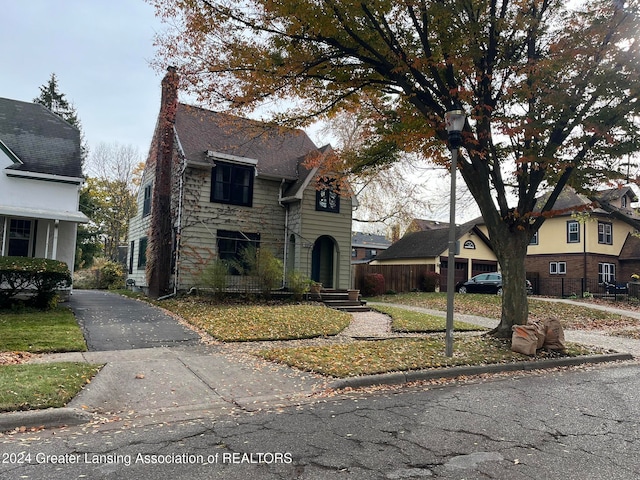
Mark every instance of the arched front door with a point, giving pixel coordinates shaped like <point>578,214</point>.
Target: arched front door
<point>322,261</point>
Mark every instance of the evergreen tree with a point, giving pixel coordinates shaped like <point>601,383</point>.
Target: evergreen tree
<point>54,100</point>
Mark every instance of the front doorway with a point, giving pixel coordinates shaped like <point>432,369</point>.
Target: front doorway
<point>322,261</point>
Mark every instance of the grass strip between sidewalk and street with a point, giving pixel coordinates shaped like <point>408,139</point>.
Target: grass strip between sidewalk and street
<point>42,385</point>
<point>402,354</point>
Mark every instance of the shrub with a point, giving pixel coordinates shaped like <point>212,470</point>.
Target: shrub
<point>374,285</point>
<point>103,274</point>
<point>214,276</point>
<point>38,279</point>
<point>430,281</point>
<point>298,283</point>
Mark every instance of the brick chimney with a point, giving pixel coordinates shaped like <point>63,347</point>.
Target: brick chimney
<point>159,250</point>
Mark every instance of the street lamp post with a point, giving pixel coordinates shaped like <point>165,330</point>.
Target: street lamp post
<point>454,121</point>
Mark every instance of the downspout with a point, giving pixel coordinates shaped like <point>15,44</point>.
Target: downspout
<point>286,234</point>
<point>4,236</point>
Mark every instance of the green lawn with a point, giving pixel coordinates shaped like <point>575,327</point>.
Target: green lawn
<point>38,331</point>
<point>399,354</point>
<point>409,321</point>
<point>45,385</point>
<point>256,322</point>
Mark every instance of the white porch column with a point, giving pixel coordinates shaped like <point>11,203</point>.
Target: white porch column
<point>54,253</point>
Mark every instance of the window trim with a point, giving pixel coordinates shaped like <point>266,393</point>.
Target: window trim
<point>534,238</point>
<point>557,268</point>
<point>328,188</point>
<point>604,237</point>
<point>235,170</point>
<point>142,252</point>
<point>610,274</point>
<point>146,200</point>
<point>576,233</point>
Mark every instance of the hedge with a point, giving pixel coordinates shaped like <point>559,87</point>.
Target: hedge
<point>38,278</point>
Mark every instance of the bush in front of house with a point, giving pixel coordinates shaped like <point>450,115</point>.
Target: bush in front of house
<point>374,285</point>
<point>430,281</point>
<point>103,274</point>
<point>33,281</point>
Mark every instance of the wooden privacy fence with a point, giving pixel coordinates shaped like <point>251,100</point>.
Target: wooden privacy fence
<point>398,278</point>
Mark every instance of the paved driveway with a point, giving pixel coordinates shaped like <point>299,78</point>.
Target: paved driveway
<point>113,322</point>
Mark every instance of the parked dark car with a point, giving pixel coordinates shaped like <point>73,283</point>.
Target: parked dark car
<point>485,283</point>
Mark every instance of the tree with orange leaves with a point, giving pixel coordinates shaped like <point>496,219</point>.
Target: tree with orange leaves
<point>550,89</point>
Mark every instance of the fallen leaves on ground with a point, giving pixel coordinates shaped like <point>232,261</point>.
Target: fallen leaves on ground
<point>15,358</point>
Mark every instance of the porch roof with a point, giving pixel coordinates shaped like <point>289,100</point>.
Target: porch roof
<point>66,216</point>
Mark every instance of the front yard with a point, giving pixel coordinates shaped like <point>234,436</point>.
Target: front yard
<point>27,386</point>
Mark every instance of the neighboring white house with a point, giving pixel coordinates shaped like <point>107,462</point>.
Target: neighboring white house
<point>40,181</point>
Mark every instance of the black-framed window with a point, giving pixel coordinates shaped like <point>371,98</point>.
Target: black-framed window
<point>573,231</point>
<point>328,197</point>
<point>20,237</point>
<point>231,246</point>
<point>232,183</point>
<point>142,252</point>
<point>146,203</point>
<point>605,233</point>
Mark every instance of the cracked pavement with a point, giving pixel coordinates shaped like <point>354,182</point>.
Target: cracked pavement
<point>576,423</point>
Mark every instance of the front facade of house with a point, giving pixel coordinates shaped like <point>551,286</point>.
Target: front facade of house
<point>40,181</point>
<point>585,247</point>
<point>237,183</point>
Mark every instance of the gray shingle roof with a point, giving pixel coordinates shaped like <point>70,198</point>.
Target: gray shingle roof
<point>279,150</point>
<point>43,141</point>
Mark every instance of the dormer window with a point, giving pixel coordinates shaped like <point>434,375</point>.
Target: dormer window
<point>327,197</point>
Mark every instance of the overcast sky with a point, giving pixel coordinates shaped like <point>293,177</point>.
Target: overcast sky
<point>100,52</point>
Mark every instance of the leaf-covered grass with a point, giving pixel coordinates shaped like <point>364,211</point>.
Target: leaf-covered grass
<point>417,322</point>
<point>46,385</point>
<point>244,323</point>
<point>39,331</point>
<point>571,316</point>
<point>372,357</point>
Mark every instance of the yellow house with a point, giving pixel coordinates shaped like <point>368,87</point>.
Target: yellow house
<point>587,247</point>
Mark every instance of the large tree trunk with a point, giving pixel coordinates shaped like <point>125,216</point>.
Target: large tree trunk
<point>511,250</point>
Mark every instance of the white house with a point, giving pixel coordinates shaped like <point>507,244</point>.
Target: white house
<point>40,181</point>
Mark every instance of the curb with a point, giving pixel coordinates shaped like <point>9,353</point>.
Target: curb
<point>400,378</point>
<point>49,418</point>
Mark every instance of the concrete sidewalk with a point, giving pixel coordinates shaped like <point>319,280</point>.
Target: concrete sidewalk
<point>194,380</point>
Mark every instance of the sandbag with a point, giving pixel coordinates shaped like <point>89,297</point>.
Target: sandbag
<point>524,339</point>
<point>554,334</point>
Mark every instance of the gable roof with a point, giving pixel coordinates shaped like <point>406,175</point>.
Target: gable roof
<point>41,141</point>
<point>370,240</point>
<point>427,243</point>
<point>279,151</point>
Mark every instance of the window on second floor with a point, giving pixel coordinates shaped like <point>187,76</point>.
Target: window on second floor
<point>232,183</point>
<point>328,197</point>
<point>605,233</point>
<point>573,231</point>
<point>146,203</point>
<point>534,239</point>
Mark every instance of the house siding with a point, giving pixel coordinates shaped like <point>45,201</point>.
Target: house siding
<point>315,224</point>
<point>138,229</point>
<point>201,219</point>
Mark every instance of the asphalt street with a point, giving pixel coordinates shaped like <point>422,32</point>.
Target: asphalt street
<point>579,423</point>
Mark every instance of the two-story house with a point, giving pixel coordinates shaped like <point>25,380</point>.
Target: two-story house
<point>40,181</point>
<point>235,182</point>
<point>588,242</point>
